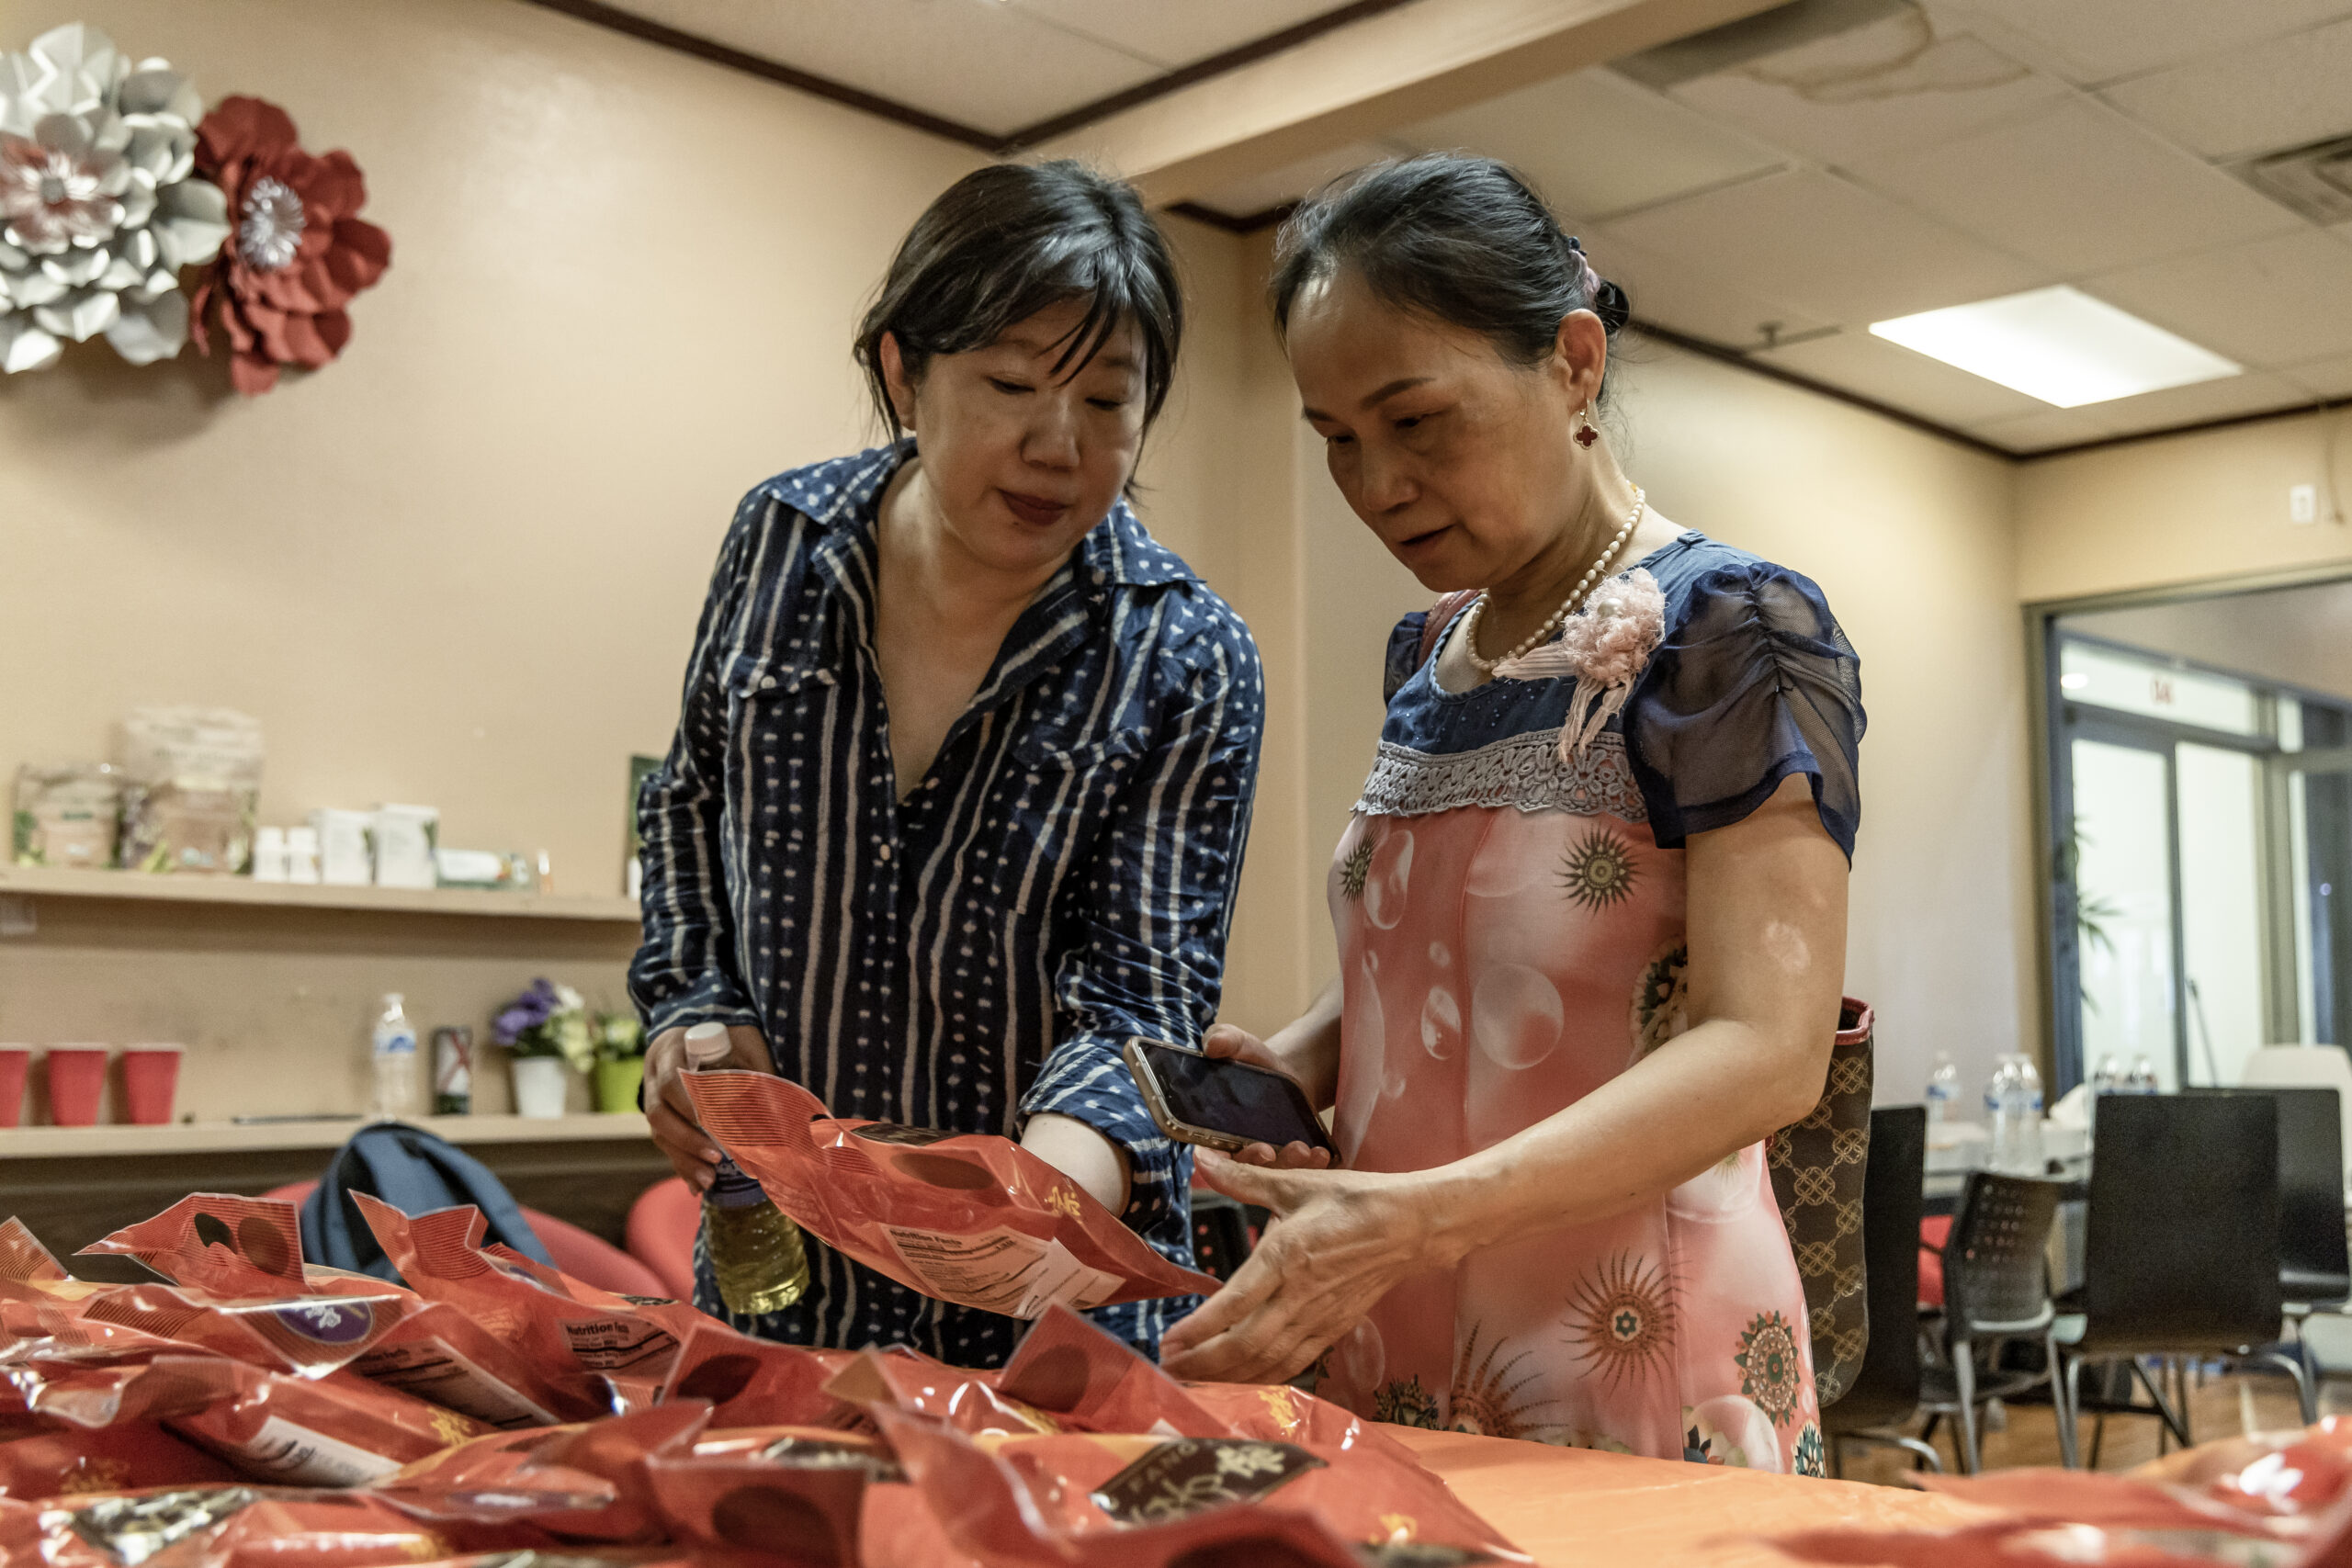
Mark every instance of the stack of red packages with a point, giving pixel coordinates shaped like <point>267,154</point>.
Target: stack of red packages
<point>2281,1501</point>
<point>969,1218</point>
<point>215,1435</point>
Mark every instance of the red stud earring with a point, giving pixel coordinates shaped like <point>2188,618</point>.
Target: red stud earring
<point>1586,433</point>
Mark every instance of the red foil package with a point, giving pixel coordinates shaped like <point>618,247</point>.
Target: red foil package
<point>969,1218</point>
<point>136,1453</point>
<point>757,1382</point>
<point>796,1490</point>
<point>252,1247</point>
<point>562,1326</point>
<point>239,1527</point>
<point>338,1430</point>
<point>1002,1498</point>
<point>907,1381</point>
<point>2282,1499</point>
<point>277,1321</point>
<point>584,1481</point>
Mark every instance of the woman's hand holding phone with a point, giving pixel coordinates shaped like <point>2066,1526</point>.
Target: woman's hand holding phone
<point>1239,1044</point>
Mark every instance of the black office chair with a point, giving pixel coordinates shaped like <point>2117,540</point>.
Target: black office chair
<point>1997,1287</point>
<point>2181,1257</point>
<point>1885,1393</point>
<point>2314,1265</point>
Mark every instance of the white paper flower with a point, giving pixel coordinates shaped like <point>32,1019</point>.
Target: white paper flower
<point>98,208</point>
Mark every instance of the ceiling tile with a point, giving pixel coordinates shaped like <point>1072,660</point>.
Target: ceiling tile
<point>2097,40</point>
<point>1245,198</point>
<point>2258,391</point>
<point>2330,378</point>
<point>1830,249</point>
<point>2050,427</point>
<point>982,64</point>
<point>1890,373</point>
<point>2268,96</point>
<point>1956,87</point>
<point>1170,35</point>
<point>1692,296</point>
<point>2274,302</point>
<point>1596,144</point>
<point>2077,187</point>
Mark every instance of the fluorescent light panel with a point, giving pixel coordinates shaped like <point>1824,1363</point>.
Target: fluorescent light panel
<point>2058,344</point>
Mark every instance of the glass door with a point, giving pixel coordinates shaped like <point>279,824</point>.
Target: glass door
<point>2309,786</point>
<point>2125,897</point>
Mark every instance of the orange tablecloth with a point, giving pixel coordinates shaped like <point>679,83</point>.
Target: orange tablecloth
<point>1576,1509</point>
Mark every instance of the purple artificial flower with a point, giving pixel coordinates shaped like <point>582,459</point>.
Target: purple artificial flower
<point>524,1013</point>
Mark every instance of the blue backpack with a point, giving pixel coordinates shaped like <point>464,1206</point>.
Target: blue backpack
<point>416,1173</point>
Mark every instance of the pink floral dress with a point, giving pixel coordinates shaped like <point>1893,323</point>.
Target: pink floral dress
<point>1509,903</point>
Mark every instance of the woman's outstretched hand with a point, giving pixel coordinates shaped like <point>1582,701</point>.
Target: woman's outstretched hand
<point>1240,1045</point>
<point>1341,1240</point>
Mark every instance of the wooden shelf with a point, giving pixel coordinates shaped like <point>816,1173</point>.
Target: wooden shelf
<point>203,1137</point>
<point>49,882</point>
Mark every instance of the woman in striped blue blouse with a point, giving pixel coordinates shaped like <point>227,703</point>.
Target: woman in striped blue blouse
<point>959,791</point>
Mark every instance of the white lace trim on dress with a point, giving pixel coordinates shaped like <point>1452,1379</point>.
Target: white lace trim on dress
<point>1525,772</point>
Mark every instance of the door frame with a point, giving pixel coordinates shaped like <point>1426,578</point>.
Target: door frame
<point>2043,703</point>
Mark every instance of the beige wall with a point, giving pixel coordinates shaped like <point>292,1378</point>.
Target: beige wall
<point>461,567</point>
<point>2179,509</point>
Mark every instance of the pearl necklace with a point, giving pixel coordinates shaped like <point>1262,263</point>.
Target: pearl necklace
<point>1584,585</point>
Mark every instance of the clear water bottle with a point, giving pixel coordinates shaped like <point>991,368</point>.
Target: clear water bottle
<point>1943,1087</point>
<point>2108,1080</point>
<point>2028,1153</point>
<point>755,1249</point>
<point>2000,1112</point>
<point>394,1049</point>
<point>2143,1077</point>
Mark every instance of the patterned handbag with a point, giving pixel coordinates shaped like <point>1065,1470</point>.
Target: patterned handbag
<point>1817,1166</point>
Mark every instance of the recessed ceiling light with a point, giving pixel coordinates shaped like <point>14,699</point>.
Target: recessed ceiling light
<point>2073,680</point>
<point>2058,344</point>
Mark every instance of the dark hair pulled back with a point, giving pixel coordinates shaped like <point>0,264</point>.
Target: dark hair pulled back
<point>1457,239</point>
<point>1011,240</point>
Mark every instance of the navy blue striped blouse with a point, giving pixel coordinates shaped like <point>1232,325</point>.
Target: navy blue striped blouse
<point>1061,879</point>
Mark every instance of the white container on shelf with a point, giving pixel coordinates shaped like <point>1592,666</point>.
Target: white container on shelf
<point>343,847</point>
<point>270,862</point>
<point>403,838</point>
<point>539,1086</point>
<point>303,855</point>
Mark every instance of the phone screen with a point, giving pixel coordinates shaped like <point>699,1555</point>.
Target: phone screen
<point>1226,1096</point>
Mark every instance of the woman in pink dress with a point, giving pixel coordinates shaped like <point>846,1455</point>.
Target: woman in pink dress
<point>1591,907</point>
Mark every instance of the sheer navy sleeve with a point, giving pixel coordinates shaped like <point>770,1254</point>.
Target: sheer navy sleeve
<point>1754,682</point>
<point>1404,653</point>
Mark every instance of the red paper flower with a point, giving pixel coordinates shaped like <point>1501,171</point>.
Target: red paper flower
<point>298,253</point>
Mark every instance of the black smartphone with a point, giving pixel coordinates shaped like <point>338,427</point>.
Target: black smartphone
<point>1220,1103</point>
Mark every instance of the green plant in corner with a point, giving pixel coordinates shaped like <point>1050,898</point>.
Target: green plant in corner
<point>2092,914</point>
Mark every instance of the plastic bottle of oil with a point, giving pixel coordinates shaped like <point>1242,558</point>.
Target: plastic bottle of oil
<point>755,1249</point>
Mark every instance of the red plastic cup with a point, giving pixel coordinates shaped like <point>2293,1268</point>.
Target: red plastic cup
<point>77,1084</point>
<point>150,1076</point>
<point>15,1062</point>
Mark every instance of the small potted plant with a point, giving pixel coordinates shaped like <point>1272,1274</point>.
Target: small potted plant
<point>621,1059</point>
<point>545,1033</point>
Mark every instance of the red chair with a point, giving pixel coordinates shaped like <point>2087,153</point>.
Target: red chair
<point>660,1235</point>
<point>1934,1231</point>
<point>588,1258</point>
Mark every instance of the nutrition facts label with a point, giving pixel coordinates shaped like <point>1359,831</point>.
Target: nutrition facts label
<point>1000,1270</point>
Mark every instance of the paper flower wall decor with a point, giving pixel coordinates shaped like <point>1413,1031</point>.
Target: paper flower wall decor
<point>98,206</point>
<point>300,251</point>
